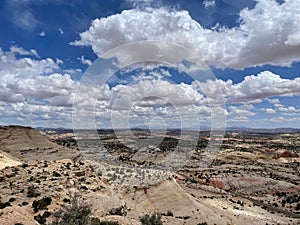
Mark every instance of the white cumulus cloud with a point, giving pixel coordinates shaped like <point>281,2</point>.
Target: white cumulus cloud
<point>85,61</point>
<point>61,31</point>
<point>37,89</point>
<point>267,34</point>
<point>270,111</point>
<point>42,34</point>
<point>254,87</point>
<point>209,3</point>
<point>21,51</point>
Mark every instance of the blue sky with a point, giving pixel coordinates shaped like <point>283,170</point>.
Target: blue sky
<point>251,47</point>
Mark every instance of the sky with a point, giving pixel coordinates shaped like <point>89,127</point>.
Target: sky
<point>151,64</point>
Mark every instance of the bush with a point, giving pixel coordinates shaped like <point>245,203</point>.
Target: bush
<point>154,219</point>
<point>31,193</point>
<point>40,219</point>
<point>56,174</point>
<point>75,213</point>
<point>96,221</point>
<point>4,205</point>
<point>119,211</point>
<point>41,204</point>
<point>297,206</point>
<point>12,200</point>
<point>170,213</point>
<point>109,223</point>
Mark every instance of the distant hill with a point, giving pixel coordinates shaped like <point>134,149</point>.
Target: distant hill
<point>264,130</point>
<point>18,138</point>
<point>26,144</point>
<point>206,128</point>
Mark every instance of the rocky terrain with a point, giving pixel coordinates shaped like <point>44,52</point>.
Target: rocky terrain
<point>253,180</point>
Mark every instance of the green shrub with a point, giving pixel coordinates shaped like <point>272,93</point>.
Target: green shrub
<point>56,174</point>
<point>96,221</point>
<point>24,203</point>
<point>154,219</point>
<point>170,213</point>
<point>109,223</point>
<point>40,219</point>
<point>12,200</point>
<point>75,213</point>
<point>4,205</point>
<point>119,211</point>
<point>41,204</point>
<point>31,193</point>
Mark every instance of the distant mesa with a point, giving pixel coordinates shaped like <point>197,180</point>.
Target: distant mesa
<point>28,144</point>
<point>20,138</point>
<point>282,130</point>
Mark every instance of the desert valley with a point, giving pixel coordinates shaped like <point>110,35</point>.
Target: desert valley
<point>253,179</point>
